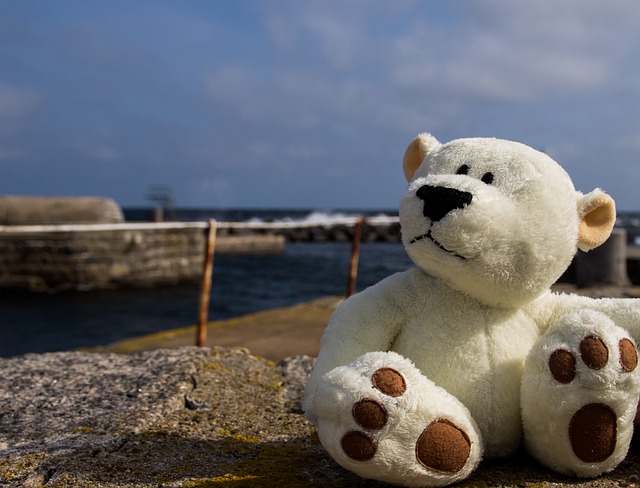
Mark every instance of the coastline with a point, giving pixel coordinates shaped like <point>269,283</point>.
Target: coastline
<point>280,332</point>
<point>273,334</point>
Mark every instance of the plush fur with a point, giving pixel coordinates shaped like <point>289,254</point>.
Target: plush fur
<point>468,354</point>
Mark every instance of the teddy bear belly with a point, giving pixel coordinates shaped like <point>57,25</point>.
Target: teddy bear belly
<point>483,370</point>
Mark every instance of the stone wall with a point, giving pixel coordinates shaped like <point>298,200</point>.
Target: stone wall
<point>55,260</point>
<point>50,258</point>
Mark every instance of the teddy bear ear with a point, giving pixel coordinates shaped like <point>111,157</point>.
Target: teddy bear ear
<point>597,212</point>
<point>419,148</point>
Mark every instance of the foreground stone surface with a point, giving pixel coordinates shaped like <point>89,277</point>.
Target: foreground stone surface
<point>186,417</point>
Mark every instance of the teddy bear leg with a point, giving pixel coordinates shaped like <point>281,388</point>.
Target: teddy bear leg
<point>382,419</point>
<point>580,393</point>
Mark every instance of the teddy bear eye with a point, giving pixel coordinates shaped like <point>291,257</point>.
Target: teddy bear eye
<point>463,170</point>
<point>487,178</point>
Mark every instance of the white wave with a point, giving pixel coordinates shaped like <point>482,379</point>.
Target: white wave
<point>316,216</point>
<point>321,216</point>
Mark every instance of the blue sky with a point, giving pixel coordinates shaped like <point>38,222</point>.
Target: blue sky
<point>307,104</point>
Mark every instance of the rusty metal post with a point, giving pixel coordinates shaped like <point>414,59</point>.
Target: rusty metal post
<point>205,284</point>
<point>355,256</point>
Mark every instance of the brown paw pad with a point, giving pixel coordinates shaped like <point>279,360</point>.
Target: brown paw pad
<point>389,381</point>
<point>593,433</point>
<point>562,365</point>
<point>595,354</point>
<point>369,414</point>
<point>443,447</point>
<point>359,446</point>
<point>628,355</point>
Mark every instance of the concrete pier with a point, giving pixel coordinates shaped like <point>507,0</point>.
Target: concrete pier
<point>54,258</point>
<point>110,255</point>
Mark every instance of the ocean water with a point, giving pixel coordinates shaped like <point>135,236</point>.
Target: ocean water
<point>240,285</point>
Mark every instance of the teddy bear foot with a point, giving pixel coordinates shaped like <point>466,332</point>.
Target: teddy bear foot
<point>579,395</point>
<point>382,419</point>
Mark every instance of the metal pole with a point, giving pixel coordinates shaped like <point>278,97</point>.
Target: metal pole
<point>355,255</point>
<point>205,288</point>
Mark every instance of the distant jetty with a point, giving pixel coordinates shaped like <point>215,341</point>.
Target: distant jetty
<point>55,244</point>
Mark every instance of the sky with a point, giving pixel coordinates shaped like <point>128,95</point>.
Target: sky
<point>307,104</point>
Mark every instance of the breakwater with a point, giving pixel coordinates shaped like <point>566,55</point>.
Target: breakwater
<point>374,229</point>
<point>118,255</point>
<point>99,256</point>
<point>55,258</point>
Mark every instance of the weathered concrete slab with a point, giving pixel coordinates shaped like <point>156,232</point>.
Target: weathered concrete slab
<point>30,210</point>
<point>253,244</point>
<point>185,418</point>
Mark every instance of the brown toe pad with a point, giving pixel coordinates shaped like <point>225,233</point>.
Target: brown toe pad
<point>593,433</point>
<point>443,447</point>
<point>369,414</point>
<point>389,381</point>
<point>359,446</point>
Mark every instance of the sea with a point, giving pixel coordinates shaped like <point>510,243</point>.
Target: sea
<point>41,322</point>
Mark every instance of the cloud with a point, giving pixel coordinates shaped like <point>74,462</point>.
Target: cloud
<point>104,154</point>
<point>306,95</point>
<point>519,52</point>
<point>354,81</point>
<point>628,142</point>
<point>17,102</point>
<point>211,192</point>
<point>10,154</point>
<point>18,105</point>
<point>356,71</point>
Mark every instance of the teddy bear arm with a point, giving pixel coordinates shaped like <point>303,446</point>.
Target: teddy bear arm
<point>625,312</point>
<point>368,321</point>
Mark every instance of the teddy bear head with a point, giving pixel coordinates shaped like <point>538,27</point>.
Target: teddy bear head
<point>496,219</point>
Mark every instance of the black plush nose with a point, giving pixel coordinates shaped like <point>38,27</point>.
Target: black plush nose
<point>439,200</point>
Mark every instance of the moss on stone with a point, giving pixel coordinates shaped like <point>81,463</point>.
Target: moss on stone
<point>12,469</point>
<point>281,465</point>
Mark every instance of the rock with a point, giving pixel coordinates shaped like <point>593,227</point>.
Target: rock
<point>296,371</point>
<point>188,417</point>
<point>56,402</point>
<point>182,417</point>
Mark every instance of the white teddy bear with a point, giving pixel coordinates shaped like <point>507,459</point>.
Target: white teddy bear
<point>465,356</point>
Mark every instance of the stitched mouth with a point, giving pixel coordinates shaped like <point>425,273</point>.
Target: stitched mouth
<point>440,246</point>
